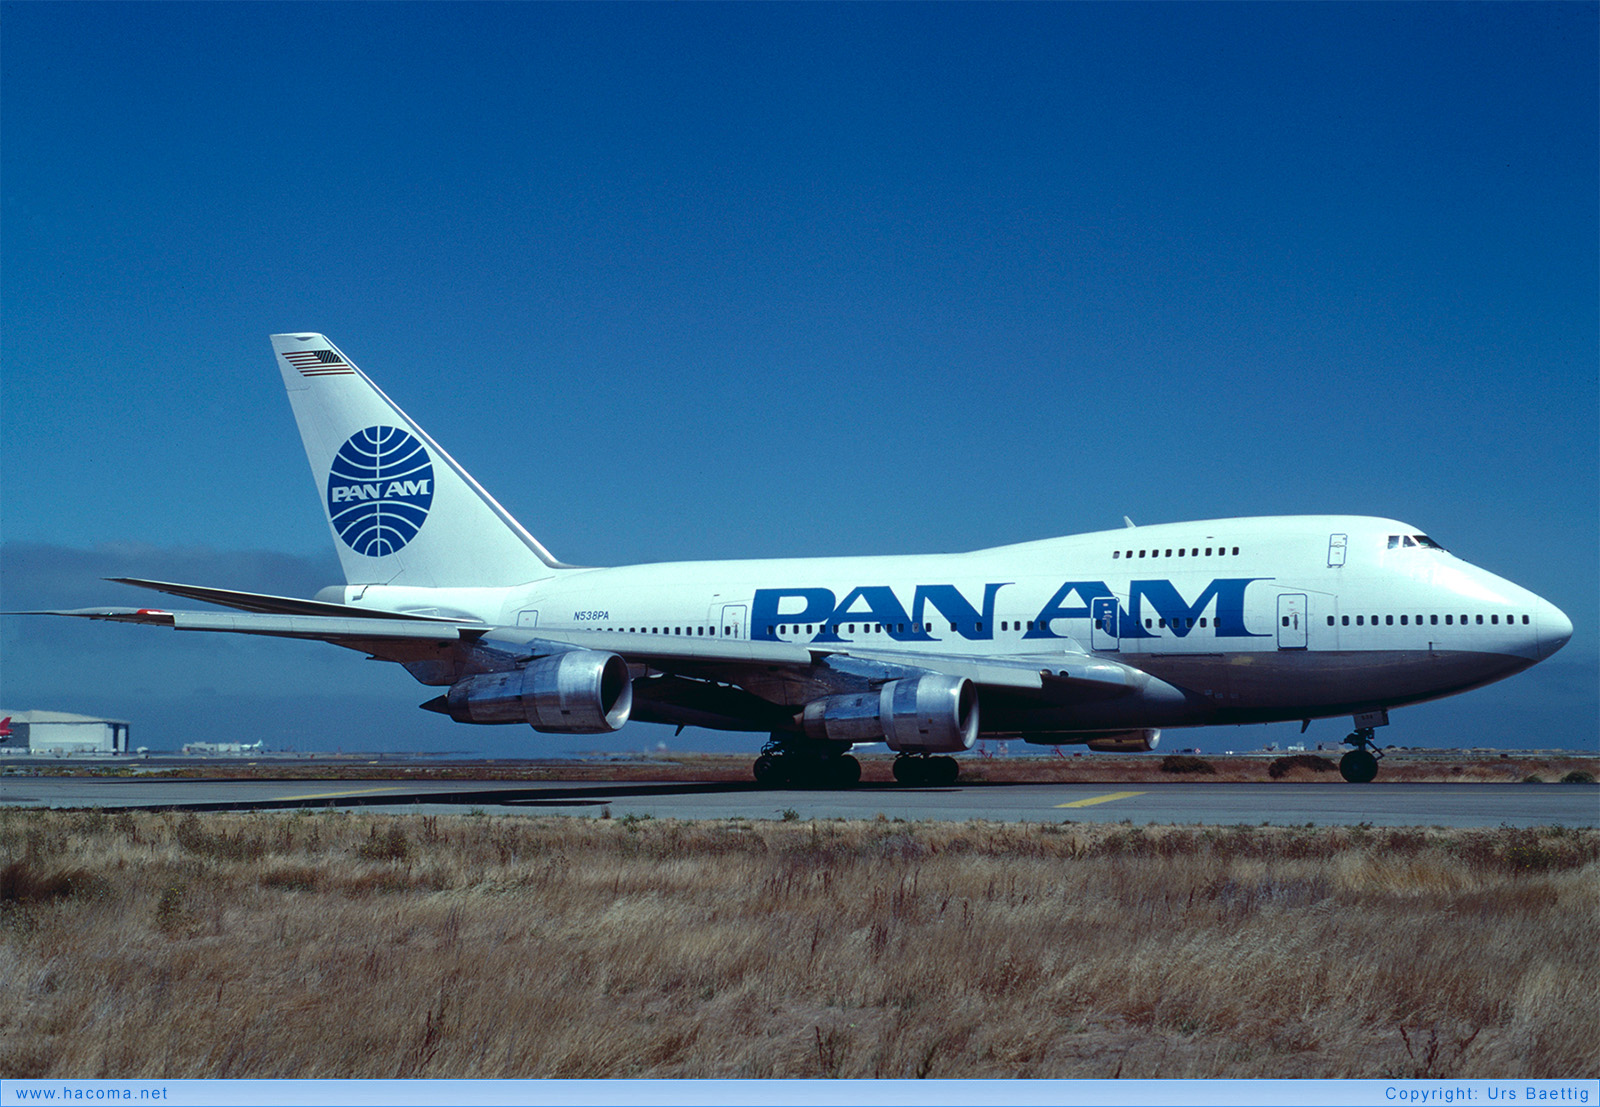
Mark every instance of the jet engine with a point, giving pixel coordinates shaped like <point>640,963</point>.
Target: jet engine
<point>1125,741</point>
<point>576,692</point>
<point>926,714</point>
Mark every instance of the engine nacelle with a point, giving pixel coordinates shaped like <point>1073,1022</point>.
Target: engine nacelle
<point>1126,741</point>
<point>577,692</point>
<point>928,714</point>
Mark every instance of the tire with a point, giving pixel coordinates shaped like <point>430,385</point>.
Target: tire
<point>909,771</point>
<point>946,771</point>
<point>1358,767</point>
<point>769,771</point>
<point>844,772</point>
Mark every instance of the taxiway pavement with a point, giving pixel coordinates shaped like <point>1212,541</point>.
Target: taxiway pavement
<point>1380,804</point>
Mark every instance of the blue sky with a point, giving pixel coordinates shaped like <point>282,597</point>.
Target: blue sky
<point>685,281</point>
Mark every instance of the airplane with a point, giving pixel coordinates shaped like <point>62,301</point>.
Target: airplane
<point>1100,639</point>
<point>6,733</point>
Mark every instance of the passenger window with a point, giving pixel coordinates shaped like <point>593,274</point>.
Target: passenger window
<point>1180,553</point>
<point>1402,620</point>
<point>1524,620</point>
<point>1495,619</point>
<point>1141,553</point>
<point>1147,624</point>
<point>1433,620</point>
<point>1236,551</point>
<point>1208,551</point>
<point>1202,624</point>
<point>1361,620</point>
<point>1344,620</point>
<point>1169,553</point>
<point>1195,552</point>
<point>1115,554</point>
<point>1330,620</point>
<point>1161,624</point>
<point>977,628</point>
<point>1480,620</point>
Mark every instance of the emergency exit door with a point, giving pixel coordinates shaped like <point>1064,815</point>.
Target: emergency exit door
<point>1103,633</point>
<point>1292,622</point>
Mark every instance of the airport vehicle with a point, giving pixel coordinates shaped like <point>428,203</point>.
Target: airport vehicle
<point>1100,639</point>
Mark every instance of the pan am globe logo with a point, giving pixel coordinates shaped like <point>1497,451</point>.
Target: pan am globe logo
<point>380,487</point>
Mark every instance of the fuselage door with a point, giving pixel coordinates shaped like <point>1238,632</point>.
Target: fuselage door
<point>733,620</point>
<point>1292,622</point>
<point>1103,624</point>
<point>1336,545</point>
<point>527,618</point>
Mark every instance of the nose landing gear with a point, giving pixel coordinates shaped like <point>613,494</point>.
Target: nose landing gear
<point>1360,765</point>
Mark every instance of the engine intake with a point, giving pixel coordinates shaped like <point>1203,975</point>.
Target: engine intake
<point>927,714</point>
<point>577,692</point>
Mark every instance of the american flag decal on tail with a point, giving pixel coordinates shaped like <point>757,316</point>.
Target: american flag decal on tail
<point>318,363</point>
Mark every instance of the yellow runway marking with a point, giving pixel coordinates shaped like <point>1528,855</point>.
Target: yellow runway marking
<point>337,795</point>
<point>1090,802</point>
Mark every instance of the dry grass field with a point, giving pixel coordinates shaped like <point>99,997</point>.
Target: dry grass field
<point>338,945</point>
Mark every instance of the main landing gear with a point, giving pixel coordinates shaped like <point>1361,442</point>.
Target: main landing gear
<point>921,769</point>
<point>802,764</point>
<point>1360,765</point>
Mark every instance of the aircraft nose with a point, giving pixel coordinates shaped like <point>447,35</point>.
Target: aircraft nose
<point>1554,629</point>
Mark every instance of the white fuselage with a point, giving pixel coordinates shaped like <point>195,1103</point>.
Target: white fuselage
<point>1251,620</point>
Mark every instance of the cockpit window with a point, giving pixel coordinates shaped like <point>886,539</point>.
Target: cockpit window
<point>1413,541</point>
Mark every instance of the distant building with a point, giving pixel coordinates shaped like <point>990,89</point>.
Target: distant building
<point>205,748</point>
<point>59,732</point>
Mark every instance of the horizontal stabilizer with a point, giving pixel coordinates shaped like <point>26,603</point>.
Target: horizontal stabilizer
<point>258,601</point>
<point>320,628</point>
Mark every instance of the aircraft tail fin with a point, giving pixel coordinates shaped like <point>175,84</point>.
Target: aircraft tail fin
<point>401,510</point>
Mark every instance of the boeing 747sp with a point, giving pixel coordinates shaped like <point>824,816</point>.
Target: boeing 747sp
<point>1096,639</point>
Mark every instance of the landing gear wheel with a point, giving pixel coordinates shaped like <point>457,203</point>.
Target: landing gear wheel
<point>843,772</point>
<point>920,770</point>
<point>909,770</point>
<point>1358,767</point>
<point>770,771</point>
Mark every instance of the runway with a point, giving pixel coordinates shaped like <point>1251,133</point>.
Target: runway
<point>1400,804</point>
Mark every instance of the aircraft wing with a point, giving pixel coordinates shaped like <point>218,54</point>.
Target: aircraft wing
<point>1059,677</point>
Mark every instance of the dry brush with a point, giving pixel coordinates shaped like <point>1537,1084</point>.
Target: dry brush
<point>334,945</point>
